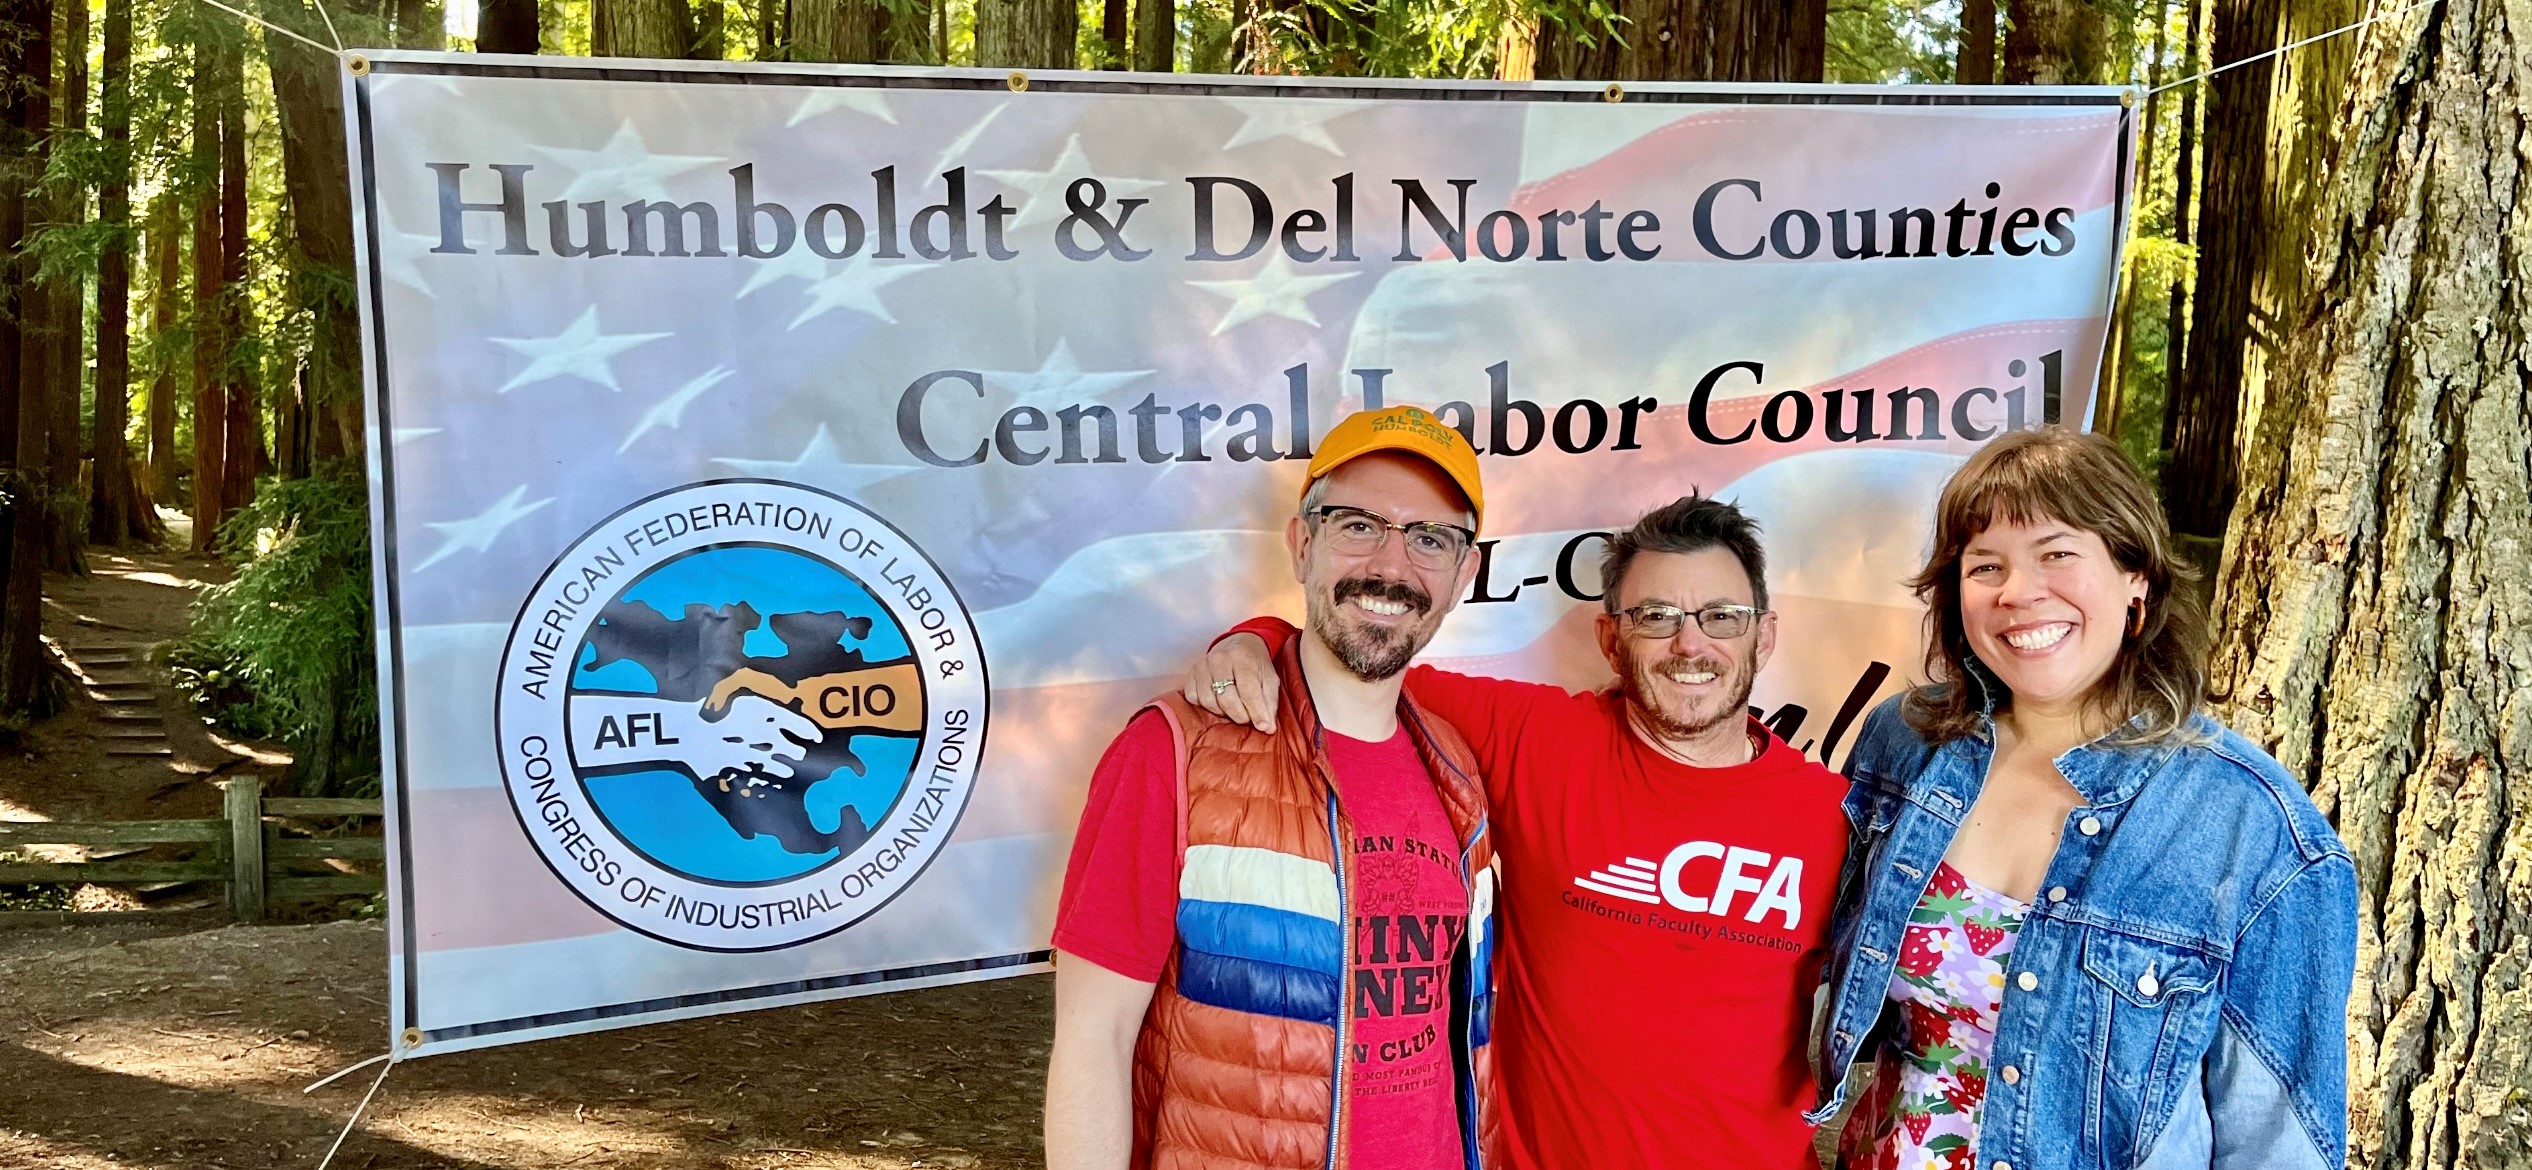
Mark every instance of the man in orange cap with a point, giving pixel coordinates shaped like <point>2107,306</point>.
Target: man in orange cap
<point>1275,945</point>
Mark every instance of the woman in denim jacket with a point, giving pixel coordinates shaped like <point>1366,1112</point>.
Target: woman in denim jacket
<point>2082,924</point>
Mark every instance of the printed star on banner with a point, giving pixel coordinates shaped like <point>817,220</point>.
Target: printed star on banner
<point>400,260</point>
<point>1276,291</point>
<point>477,533</point>
<point>856,288</point>
<point>671,411</point>
<point>821,102</point>
<point>954,154</point>
<point>577,352</point>
<point>1042,192</point>
<point>798,263</point>
<point>1301,121</point>
<point>820,463</point>
<point>624,167</point>
<point>404,435</point>
<point>1060,379</point>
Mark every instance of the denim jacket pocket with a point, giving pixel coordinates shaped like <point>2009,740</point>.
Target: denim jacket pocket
<point>2154,1008</point>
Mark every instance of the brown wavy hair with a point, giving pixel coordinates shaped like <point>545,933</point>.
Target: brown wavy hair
<point>2159,679</point>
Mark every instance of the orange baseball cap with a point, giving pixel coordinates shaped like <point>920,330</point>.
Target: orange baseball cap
<point>1409,429</point>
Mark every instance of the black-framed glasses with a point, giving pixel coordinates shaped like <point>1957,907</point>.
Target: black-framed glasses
<point>1655,619</point>
<point>1356,532</point>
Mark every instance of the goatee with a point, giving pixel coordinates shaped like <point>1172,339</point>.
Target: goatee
<point>1371,652</point>
<point>1639,685</point>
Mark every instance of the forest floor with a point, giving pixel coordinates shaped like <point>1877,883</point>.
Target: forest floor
<point>178,1042</point>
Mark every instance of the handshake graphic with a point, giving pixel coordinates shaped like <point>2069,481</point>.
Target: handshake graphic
<point>752,739</point>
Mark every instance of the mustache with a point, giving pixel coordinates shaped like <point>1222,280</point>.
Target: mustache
<point>1716,666</point>
<point>1393,591</point>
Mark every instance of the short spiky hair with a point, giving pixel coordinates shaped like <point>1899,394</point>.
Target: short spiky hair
<point>1691,523</point>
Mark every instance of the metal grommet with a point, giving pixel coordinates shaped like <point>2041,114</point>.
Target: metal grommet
<point>410,1038</point>
<point>1018,81</point>
<point>359,65</point>
<point>2127,99</point>
<point>1615,93</point>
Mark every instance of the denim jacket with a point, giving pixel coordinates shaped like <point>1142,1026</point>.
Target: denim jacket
<point>2177,996</point>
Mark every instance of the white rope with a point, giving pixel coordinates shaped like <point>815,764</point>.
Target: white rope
<point>363,1107</point>
<point>2282,49</point>
<point>328,18</point>
<point>330,1078</point>
<point>333,52</point>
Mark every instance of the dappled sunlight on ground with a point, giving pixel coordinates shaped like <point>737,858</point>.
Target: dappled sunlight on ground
<point>126,1047</point>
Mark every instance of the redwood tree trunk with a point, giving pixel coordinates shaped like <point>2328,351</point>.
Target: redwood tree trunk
<point>244,459</point>
<point>112,507</point>
<point>316,176</point>
<point>210,348</point>
<point>1156,35</point>
<point>69,340</point>
<point>166,252</point>
<point>26,50</point>
<point>506,26</point>
<point>645,28</point>
<point>2206,399</point>
<point>845,31</point>
<point>1975,63</point>
<point>2057,42</point>
<point>1026,34</point>
<point>2376,596</point>
<point>1694,40</point>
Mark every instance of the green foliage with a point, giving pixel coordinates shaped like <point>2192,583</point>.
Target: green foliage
<point>1888,42</point>
<point>283,651</point>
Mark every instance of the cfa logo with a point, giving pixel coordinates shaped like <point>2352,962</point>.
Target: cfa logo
<point>1637,880</point>
<point>741,715</point>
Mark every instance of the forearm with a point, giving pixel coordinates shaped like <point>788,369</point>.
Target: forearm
<point>1090,1070</point>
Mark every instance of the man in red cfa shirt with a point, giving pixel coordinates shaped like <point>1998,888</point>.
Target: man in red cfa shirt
<point>1273,966</point>
<point>1668,865</point>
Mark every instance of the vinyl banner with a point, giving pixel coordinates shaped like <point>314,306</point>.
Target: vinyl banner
<point>789,478</point>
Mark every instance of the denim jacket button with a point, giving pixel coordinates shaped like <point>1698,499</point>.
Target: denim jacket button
<point>2147,985</point>
<point>2028,982</point>
<point>2089,826</point>
<point>2001,1164</point>
<point>2057,893</point>
<point>2011,1075</point>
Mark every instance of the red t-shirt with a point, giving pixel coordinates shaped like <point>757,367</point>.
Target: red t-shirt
<point>1663,928</point>
<point>1410,910</point>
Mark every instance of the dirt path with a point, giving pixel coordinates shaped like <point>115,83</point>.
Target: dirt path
<point>187,1051</point>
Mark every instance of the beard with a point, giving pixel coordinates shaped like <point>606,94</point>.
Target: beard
<point>1369,651</point>
<point>1689,719</point>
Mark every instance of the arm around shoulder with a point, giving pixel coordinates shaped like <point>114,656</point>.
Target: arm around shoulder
<point>2276,1076</point>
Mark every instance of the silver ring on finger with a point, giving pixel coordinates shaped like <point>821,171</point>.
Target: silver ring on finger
<point>1223,684</point>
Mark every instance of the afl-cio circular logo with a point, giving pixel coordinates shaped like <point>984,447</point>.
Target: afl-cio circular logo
<point>741,715</point>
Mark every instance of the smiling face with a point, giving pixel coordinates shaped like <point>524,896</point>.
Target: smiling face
<point>2045,606</point>
<point>1375,611</point>
<point>1688,684</point>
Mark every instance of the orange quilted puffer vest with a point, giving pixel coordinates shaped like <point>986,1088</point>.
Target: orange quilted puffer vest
<point>1237,1066</point>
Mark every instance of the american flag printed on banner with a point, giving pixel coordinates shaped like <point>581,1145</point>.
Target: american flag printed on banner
<point>529,404</point>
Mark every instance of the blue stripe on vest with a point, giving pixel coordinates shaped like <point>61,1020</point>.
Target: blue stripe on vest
<point>1258,988</point>
<point>1241,930</point>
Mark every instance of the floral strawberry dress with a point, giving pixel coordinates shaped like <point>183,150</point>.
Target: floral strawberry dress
<point>1922,1110</point>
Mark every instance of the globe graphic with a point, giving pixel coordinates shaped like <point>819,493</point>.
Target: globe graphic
<point>748,619</point>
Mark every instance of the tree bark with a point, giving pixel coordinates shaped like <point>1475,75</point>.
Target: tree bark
<point>2206,399</point>
<point>316,177</point>
<point>648,28</point>
<point>2376,597</point>
<point>166,252</point>
<point>420,24</point>
<point>842,31</point>
<point>210,347</point>
<point>2114,386</point>
<point>1695,40</point>
<point>1975,61</point>
<point>711,30</point>
<point>27,687</point>
<point>2057,42</point>
<point>112,509</point>
<point>244,459</point>
<point>1026,34</point>
<point>507,26</point>
<point>70,318</point>
<point>1156,35</point>
<point>2184,219</point>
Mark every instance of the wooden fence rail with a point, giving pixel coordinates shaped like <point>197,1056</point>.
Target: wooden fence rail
<point>259,862</point>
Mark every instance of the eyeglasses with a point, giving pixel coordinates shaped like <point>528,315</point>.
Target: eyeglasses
<point>1655,619</point>
<point>1354,532</point>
